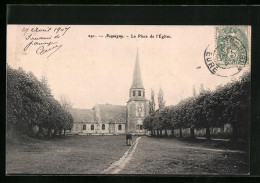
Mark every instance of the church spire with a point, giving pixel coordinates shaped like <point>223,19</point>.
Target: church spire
<point>137,79</point>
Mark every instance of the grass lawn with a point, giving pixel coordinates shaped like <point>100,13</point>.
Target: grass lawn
<point>175,156</point>
<point>70,155</point>
<point>93,154</point>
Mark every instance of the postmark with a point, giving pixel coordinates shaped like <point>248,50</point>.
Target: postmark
<point>231,52</point>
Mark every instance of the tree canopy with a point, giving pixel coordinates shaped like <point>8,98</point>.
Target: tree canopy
<point>30,102</point>
<point>208,109</point>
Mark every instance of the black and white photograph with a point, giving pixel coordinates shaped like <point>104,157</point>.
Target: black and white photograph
<point>128,99</point>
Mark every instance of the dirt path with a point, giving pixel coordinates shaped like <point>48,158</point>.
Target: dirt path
<point>117,166</point>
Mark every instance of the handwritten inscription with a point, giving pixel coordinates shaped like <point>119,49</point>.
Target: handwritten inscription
<point>44,41</point>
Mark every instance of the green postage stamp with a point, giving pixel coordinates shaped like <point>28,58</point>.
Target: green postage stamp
<point>232,46</point>
<point>231,52</point>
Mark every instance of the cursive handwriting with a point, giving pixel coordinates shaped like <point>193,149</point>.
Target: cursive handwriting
<point>44,40</point>
<point>42,50</point>
<point>38,43</point>
<point>30,37</point>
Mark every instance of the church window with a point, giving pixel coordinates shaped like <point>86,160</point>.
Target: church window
<point>141,127</point>
<point>139,93</point>
<point>133,93</point>
<point>84,127</point>
<point>92,127</point>
<point>119,127</point>
<point>103,127</point>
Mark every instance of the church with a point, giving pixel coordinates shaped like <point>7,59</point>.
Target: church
<point>107,119</point>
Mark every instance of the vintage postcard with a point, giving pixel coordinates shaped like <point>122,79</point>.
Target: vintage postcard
<point>128,99</point>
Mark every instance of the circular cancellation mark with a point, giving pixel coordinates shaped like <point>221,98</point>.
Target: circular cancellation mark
<point>227,59</point>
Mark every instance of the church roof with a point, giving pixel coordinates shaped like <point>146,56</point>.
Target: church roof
<point>137,79</point>
<point>101,113</point>
<point>83,115</point>
<point>107,113</point>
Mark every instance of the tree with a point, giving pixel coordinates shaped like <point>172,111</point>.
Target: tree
<point>161,101</point>
<point>237,107</point>
<point>65,102</point>
<point>152,103</point>
<point>165,118</point>
<point>202,88</point>
<point>194,91</point>
<point>227,104</point>
<point>147,124</point>
<point>30,103</point>
<point>45,85</point>
<point>192,134</point>
<point>200,111</point>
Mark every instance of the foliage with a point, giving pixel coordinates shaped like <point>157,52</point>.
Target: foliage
<point>30,103</point>
<point>208,109</point>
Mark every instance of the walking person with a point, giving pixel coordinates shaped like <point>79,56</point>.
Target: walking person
<point>128,139</point>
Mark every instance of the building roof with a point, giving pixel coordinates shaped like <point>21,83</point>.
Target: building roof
<point>107,113</point>
<point>137,78</point>
<point>83,115</point>
<point>101,113</point>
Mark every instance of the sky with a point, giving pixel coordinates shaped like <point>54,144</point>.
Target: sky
<point>99,70</point>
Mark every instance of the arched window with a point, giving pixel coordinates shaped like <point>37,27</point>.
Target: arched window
<point>133,93</point>
<point>119,127</point>
<point>141,127</point>
<point>103,127</point>
<point>84,127</point>
<point>92,127</point>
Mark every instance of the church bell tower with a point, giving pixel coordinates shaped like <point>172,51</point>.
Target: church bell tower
<point>137,105</point>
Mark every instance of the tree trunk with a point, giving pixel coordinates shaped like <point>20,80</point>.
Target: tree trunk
<point>166,134</point>
<point>208,133</point>
<point>64,133</point>
<point>161,132</point>
<point>55,132</point>
<point>157,134</point>
<point>192,134</point>
<point>60,132</point>
<point>49,132</point>
<point>172,132</point>
<point>40,130</point>
<point>29,131</point>
<point>180,132</point>
<point>234,130</point>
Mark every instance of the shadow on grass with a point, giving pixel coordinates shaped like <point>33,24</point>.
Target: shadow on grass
<point>230,144</point>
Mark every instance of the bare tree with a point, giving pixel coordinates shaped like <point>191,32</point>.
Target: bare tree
<point>65,102</point>
<point>194,91</point>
